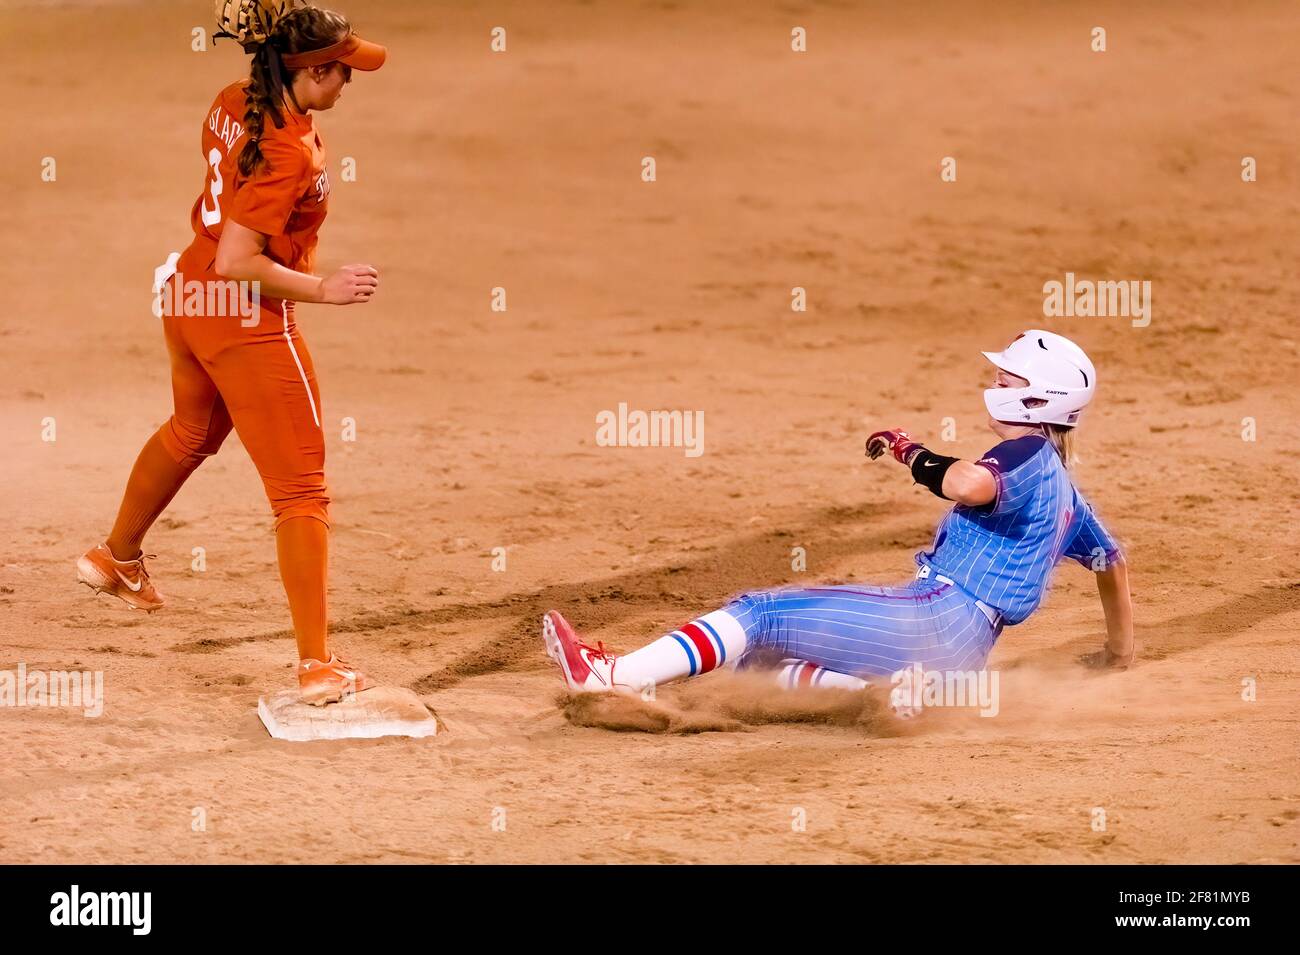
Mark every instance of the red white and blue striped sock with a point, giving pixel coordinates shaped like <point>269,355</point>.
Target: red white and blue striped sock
<point>704,644</point>
<point>800,673</point>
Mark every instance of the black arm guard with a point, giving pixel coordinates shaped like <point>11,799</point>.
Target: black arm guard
<point>929,468</point>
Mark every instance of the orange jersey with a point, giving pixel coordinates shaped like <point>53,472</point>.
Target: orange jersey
<point>285,199</point>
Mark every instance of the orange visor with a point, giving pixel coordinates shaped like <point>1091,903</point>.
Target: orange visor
<point>351,50</point>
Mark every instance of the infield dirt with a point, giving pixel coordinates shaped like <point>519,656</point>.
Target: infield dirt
<point>475,429</point>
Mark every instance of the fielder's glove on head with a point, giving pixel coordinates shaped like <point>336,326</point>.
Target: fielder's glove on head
<point>250,22</point>
<point>897,442</point>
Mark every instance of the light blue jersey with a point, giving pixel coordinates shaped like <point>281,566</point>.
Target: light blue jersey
<point>1003,553</point>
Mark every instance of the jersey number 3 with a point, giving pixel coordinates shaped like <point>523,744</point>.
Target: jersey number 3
<point>212,216</point>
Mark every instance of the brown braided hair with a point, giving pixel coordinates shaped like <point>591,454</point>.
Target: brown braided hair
<point>298,31</point>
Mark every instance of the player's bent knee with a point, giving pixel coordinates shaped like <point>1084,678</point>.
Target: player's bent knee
<point>752,599</point>
<point>189,445</point>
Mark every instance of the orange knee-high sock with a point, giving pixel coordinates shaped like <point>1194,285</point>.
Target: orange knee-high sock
<point>302,545</point>
<point>154,481</point>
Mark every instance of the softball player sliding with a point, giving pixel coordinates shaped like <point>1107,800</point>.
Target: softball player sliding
<point>1017,514</point>
<point>264,198</point>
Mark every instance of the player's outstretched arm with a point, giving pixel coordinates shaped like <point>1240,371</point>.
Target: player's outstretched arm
<point>239,257</point>
<point>1116,601</point>
<point>950,478</point>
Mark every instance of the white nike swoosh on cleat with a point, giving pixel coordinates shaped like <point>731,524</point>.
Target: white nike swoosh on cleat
<point>591,670</point>
<point>134,588</point>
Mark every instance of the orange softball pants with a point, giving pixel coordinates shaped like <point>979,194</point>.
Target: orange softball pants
<point>260,380</point>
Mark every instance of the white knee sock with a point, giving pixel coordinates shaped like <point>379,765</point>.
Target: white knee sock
<point>704,644</point>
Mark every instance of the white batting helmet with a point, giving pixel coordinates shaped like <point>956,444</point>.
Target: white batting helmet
<point>1061,380</point>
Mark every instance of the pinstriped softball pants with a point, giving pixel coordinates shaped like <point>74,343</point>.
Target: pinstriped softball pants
<point>869,631</point>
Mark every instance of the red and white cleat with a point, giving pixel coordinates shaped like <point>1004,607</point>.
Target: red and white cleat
<point>127,580</point>
<point>586,669</point>
<point>329,682</point>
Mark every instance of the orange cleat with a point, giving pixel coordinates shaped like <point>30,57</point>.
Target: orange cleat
<point>329,682</point>
<point>127,580</point>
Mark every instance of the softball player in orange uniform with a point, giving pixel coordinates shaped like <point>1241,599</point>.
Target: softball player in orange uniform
<point>264,199</point>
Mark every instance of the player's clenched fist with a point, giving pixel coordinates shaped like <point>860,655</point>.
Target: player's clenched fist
<point>896,442</point>
<point>349,285</point>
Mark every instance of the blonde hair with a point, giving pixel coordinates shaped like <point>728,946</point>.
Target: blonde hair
<point>1061,438</point>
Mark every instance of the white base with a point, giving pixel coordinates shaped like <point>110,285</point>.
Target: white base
<point>379,711</point>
